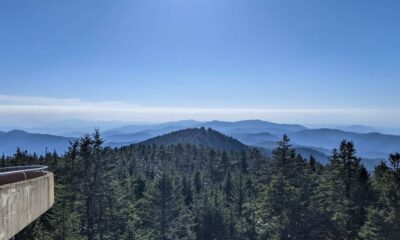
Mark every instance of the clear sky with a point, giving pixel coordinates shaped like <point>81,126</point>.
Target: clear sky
<point>288,61</point>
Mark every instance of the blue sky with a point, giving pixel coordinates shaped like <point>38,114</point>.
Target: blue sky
<point>287,61</point>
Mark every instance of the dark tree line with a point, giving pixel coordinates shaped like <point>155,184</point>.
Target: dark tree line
<point>189,192</point>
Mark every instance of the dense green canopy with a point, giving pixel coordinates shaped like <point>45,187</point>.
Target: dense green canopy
<point>191,192</point>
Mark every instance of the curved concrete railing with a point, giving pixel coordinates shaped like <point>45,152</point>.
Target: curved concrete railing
<point>25,194</point>
<point>20,173</point>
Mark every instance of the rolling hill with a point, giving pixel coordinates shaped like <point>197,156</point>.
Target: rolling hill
<point>198,136</point>
<point>158,128</point>
<point>32,142</point>
<point>129,137</point>
<point>252,126</point>
<point>320,142</point>
<point>256,139</point>
<point>369,145</point>
<point>239,127</point>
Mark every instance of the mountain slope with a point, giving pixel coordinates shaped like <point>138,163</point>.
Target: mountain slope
<point>371,145</point>
<point>239,127</point>
<point>198,136</point>
<point>252,126</point>
<point>162,128</point>
<point>356,129</point>
<point>130,137</point>
<point>32,142</point>
<point>256,139</point>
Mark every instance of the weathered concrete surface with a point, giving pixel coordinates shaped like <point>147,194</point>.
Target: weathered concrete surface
<point>24,201</point>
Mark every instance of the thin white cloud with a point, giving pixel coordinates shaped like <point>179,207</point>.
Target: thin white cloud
<point>28,100</point>
<point>13,108</point>
<point>27,103</point>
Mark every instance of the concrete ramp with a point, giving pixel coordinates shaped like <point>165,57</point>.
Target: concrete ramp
<point>28,196</point>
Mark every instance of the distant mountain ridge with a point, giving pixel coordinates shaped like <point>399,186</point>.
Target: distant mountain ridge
<point>162,127</point>
<point>32,142</point>
<point>245,126</point>
<point>253,126</point>
<point>208,138</point>
<point>372,146</point>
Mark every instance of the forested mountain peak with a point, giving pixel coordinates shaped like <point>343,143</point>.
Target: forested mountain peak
<point>205,137</point>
